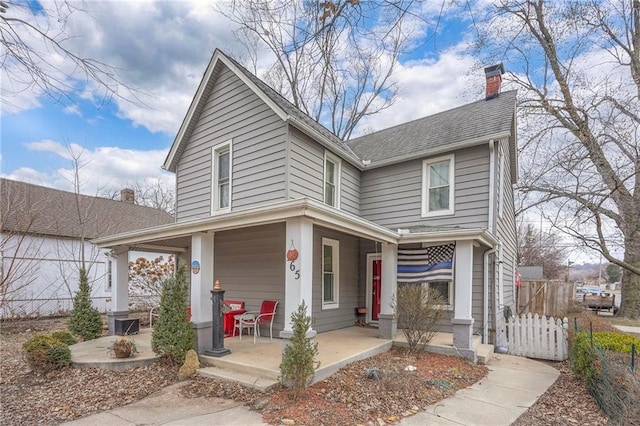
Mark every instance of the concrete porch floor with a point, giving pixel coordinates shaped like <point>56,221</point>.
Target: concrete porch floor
<point>257,365</point>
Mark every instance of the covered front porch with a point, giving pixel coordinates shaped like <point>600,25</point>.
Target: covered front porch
<point>246,251</point>
<point>258,365</point>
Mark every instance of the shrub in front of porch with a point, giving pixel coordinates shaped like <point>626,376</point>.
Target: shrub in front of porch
<point>298,358</point>
<point>172,334</point>
<point>84,319</point>
<point>418,310</point>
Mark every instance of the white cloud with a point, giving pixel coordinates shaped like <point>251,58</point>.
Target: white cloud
<point>101,170</point>
<point>429,86</point>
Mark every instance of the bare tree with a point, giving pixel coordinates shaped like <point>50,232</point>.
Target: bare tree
<point>578,67</point>
<point>37,54</point>
<point>333,60</point>
<point>536,248</point>
<point>150,193</point>
<point>18,267</point>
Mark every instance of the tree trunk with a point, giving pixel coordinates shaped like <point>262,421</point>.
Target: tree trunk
<point>630,306</point>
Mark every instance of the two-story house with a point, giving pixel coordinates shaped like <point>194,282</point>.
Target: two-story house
<point>427,201</point>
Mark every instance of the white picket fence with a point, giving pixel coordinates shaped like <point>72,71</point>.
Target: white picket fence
<point>538,337</point>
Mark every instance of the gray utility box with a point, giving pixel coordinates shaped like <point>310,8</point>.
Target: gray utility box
<point>127,326</point>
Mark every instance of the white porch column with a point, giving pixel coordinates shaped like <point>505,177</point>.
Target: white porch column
<point>463,319</point>
<point>201,285</point>
<point>119,288</point>
<point>387,324</point>
<point>299,279</point>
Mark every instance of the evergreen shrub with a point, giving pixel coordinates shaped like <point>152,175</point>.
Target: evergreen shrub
<point>173,334</point>
<point>44,353</point>
<point>84,319</point>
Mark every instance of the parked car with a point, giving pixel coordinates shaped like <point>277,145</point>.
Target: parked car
<point>591,290</point>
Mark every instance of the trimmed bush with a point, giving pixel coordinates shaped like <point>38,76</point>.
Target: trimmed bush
<point>65,337</point>
<point>582,358</point>
<point>173,334</point>
<point>615,342</point>
<point>84,319</point>
<point>298,358</point>
<point>45,353</point>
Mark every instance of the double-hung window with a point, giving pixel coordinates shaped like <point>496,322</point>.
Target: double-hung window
<point>445,290</point>
<point>330,273</point>
<point>438,186</point>
<point>332,170</point>
<point>221,188</point>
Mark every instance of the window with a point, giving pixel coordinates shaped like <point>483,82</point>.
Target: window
<point>330,273</point>
<point>438,186</point>
<point>221,190</point>
<point>332,169</point>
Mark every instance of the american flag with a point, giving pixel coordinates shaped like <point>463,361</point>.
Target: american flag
<point>426,264</point>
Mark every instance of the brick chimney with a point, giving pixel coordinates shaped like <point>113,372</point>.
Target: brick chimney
<point>494,80</point>
<point>127,195</point>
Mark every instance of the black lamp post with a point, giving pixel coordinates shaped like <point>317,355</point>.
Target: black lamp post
<point>217,299</point>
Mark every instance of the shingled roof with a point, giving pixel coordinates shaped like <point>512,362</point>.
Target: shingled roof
<point>475,122</point>
<point>39,210</point>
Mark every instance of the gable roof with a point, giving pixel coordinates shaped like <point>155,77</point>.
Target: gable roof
<point>467,125</point>
<point>281,106</point>
<point>34,209</point>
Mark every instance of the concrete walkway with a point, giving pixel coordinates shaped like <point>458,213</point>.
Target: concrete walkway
<point>512,386</point>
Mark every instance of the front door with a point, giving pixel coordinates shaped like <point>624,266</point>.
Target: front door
<point>374,284</point>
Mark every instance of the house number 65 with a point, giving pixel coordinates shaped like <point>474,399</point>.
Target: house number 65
<point>292,268</point>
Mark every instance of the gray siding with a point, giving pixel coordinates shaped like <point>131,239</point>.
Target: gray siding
<point>506,233</point>
<point>344,316</point>
<point>233,112</point>
<point>391,196</point>
<point>306,173</point>
<point>350,189</point>
<point>306,168</point>
<point>478,290</point>
<point>249,264</point>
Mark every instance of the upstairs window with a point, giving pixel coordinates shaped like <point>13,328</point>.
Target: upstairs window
<point>332,169</point>
<point>438,186</point>
<point>221,188</point>
<point>330,273</point>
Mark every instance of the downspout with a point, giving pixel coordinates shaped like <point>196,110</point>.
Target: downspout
<point>485,292</point>
<point>490,227</point>
<point>492,184</point>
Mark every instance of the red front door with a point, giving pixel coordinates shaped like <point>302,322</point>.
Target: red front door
<point>376,284</point>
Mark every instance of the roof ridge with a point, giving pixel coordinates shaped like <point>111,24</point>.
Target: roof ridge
<point>446,111</point>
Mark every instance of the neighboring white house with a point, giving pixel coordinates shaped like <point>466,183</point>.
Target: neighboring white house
<point>429,201</point>
<point>45,235</point>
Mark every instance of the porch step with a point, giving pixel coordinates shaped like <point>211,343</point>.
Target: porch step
<point>262,384</point>
<point>484,352</point>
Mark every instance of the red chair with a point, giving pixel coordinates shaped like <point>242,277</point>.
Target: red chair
<point>265,317</point>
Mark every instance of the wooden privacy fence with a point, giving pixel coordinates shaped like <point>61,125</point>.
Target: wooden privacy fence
<point>538,337</point>
<point>551,298</point>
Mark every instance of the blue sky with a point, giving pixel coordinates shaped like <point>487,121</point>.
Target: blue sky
<point>162,48</point>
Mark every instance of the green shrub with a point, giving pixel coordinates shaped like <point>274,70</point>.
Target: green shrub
<point>44,353</point>
<point>65,337</point>
<point>84,320</point>
<point>173,334</point>
<point>298,358</point>
<point>583,358</point>
<point>615,342</point>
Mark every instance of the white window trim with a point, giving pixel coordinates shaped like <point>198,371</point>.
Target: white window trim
<point>335,244</point>
<point>425,186</point>
<point>338,178</point>
<point>109,274</point>
<point>215,209</point>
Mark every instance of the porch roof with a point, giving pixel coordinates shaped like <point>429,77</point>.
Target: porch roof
<point>174,237</point>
